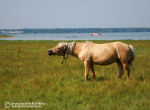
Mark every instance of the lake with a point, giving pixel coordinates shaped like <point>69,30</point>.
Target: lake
<point>82,36</point>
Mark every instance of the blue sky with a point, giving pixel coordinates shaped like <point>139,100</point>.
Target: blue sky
<point>16,14</point>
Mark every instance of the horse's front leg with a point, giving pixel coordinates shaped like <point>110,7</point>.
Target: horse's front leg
<point>86,65</point>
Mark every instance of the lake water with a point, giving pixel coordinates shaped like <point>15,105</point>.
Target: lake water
<point>82,36</point>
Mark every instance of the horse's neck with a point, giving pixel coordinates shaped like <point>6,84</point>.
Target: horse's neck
<point>77,49</point>
<point>73,51</point>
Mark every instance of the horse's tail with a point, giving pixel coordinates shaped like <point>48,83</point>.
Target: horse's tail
<point>132,56</point>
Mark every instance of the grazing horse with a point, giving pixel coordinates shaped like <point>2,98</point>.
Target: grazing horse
<point>101,54</point>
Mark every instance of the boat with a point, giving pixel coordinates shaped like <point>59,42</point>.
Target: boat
<point>95,34</point>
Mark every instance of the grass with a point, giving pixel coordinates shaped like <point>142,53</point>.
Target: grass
<point>28,74</point>
<point>5,36</point>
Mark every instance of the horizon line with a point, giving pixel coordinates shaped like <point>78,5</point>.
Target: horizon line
<point>74,28</point>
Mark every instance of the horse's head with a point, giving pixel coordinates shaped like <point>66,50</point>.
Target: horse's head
<point>60,49</point>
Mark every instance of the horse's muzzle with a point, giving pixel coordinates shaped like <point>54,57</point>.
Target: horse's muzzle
<point>50,52</point>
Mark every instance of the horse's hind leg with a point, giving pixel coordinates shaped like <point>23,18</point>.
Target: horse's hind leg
<point>92,72</point>
<point>120,67</point>
<point>127,69</point>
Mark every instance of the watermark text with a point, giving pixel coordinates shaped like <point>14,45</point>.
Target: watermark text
<point>23,104</point>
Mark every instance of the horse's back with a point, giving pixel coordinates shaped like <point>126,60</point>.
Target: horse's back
<point>110,52</point>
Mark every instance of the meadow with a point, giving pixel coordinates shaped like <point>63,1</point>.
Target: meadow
<point>28,74</point>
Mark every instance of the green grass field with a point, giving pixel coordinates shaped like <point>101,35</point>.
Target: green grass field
<point>28,74</point>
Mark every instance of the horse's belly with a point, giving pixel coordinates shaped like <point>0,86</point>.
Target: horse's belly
<point>104,60</point>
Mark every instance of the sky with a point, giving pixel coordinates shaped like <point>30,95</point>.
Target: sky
<point>18,14</point>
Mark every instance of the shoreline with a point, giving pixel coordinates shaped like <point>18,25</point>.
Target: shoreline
<point>6,36</point>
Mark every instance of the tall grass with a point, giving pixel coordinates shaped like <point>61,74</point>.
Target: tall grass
<point>28,74</point>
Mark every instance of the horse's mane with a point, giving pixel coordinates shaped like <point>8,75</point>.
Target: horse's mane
<point>70,45</point>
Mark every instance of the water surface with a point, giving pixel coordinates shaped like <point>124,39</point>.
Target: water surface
<point>82,36</point>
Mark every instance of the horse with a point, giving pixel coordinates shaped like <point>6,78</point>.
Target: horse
<point>98,54</point>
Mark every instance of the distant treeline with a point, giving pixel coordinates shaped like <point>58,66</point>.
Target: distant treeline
<point>77,30</point>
